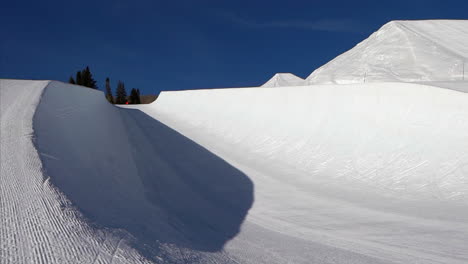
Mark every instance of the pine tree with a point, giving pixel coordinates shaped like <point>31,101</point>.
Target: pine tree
<point>132,96</point>
<point>71,80</point>
<point>87,78</point>
<point>78,78</point>
<point>138,96</point>
<point>92,82</point>
<point>109,96</point>
<point>120,93</point>
<point>135,96</point>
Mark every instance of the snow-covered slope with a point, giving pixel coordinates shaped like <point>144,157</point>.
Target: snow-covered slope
<point>284,79</point>
<point>410,51</point>
<point>333,125</point>
<point>368,173</point>
<point>359,173</point>
<point>38,224</point>
<point>125,170</point>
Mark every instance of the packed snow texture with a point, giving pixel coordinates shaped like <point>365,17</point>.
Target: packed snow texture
<point>126,170</point>
<point>378,170</point>
<point>284,79</point>
<point>321,179</point>
<point>38,224</point>
<point>359,173</point>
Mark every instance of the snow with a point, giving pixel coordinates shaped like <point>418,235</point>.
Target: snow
<point>333,178</point>
<point>138,175</point>
<point>400,51</point>
<point>284,79</point>
<point>373,172</point>
<point>410,51</point>
<point>37,222</point>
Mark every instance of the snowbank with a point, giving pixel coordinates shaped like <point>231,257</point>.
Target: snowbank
<point>38,224</point>
<point>125,170</point>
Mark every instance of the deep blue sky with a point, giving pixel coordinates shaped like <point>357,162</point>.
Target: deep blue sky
<point>171,45</point>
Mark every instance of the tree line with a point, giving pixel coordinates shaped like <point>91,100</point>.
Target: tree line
<point>121,94</point>
<point>85,78</point>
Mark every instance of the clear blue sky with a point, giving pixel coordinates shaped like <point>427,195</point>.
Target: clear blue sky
<point>172,45</point>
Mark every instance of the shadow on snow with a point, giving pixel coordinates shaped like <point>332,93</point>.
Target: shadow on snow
<point>205,198</point>
<point>167,191</point>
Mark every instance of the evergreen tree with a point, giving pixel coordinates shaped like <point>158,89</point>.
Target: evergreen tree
<point>120,93</point>
<point>87,78</point>
<point>138,96</point>
<point>109,96</point>
<point>71,80</point>
<point>78,78</point>
<point>134,96</point>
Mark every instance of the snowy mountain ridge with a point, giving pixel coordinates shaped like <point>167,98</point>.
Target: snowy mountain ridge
<point>284,79</point>
<point>406,51</point>
<point>402,51</point>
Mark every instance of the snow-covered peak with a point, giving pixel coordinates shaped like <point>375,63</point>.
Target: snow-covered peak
<point>409,51</point>
<point>284,79</point>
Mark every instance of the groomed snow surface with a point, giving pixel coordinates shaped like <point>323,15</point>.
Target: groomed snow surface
<point>254,175</point>
<point>373,172</point>
<point>38,224</point>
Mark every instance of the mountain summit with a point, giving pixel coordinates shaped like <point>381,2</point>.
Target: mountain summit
<point>284,79</point>
<point>408,51</point>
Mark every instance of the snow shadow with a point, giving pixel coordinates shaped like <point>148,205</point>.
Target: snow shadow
<point>125,170</point>
<point>204,198</point>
